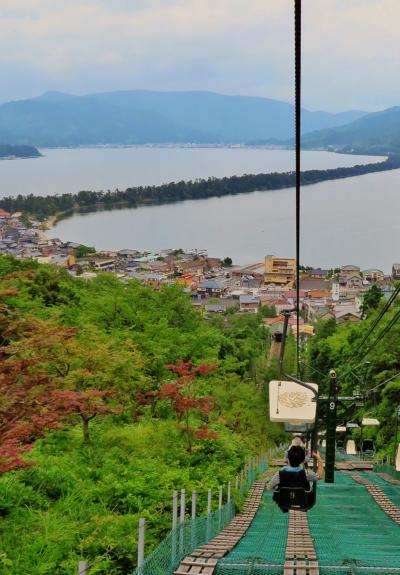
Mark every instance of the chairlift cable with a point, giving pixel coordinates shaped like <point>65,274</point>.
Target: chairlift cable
<point>381,314</point>
<point>382,334</point>
<point>372,328</point>
<point>297,64</point>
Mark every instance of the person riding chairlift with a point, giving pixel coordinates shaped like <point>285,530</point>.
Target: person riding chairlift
<point>293,475</point>
<point>297,440</point>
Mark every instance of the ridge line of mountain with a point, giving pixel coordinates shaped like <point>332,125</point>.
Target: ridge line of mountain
<point>55,119</point>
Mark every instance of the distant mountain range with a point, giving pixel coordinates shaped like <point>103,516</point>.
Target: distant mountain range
<point>145,117</point>
<point>376,133</point>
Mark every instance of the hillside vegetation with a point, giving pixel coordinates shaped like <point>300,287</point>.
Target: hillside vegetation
<point>376,133</point>
<point>112,396</point>
<point>339,347</point>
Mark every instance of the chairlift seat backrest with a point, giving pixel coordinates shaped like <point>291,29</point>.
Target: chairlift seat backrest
<point>368,446</point>
<point>294,491</point>
<point>351,447</point>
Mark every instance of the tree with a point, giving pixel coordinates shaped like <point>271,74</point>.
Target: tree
<point>62,376</point>
<point>83,251</point>
<point>227,262</point>
<point>27,410</point>
<point>87,404</point>
<point>186,401</point>
<point>268,311</point>
<point>371,299</point>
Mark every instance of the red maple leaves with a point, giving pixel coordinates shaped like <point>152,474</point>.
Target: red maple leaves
<point>186,400</point>
<point>27,411</point>
<point>87,404</point>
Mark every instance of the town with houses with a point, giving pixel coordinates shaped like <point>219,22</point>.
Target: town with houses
<point>215,285</point>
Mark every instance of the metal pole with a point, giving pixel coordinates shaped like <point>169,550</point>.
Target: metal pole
<point>193,523</point>
<point>208,532</point>
<point>331,430</point>
<point>228,497</point>
<point>209,502</point>
<point>220,497</point>
<point>140,555</point>
<point>395,436</point>
<point>83,568</point>
<point>286,315</point>
<point>194,497</point>
<point>174,509</point>
<point>174,530</point>
<point>182,515</point>
<point>237,482</point>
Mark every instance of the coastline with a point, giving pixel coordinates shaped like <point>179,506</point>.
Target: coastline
<point>204,189</point>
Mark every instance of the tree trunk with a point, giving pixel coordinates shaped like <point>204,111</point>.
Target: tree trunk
<point>189,436</point>
<point>85,428</point>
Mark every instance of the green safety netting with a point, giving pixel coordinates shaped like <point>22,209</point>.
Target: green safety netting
<point>262,549</point>
<point>351,533</point>
<point>182,540</point>
<point>189,535</point>
<point>387,469</point>
<point>392,491</point>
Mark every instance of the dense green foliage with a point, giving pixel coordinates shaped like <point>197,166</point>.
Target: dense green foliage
<point>339,348</point>
<point>45,206</point>
<point>371,299</point>
<point>83,500</point>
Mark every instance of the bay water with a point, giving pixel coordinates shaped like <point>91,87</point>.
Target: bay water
<point>353,220</point>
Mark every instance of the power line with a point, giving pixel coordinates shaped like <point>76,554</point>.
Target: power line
<point>383,383</point>
<point>381,314</point>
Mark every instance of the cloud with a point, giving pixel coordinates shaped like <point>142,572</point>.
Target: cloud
<point>232,46</point>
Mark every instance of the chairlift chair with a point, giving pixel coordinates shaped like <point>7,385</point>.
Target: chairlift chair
<point>368,448</point>
<point>298,427</point>
<point>295,497</point>
<point>351,447</point>
<point>340,445</point>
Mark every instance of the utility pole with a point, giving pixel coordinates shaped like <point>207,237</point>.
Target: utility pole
<point>331,429</point>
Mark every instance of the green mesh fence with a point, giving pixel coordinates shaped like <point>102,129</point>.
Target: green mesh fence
<point>184,539</point>
<point>189,535</point>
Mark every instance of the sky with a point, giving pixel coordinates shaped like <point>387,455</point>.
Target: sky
<point>350,48</point>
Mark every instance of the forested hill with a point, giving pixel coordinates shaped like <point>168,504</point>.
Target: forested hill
<point>377,133</point>
<point>11,151</point>
<point>46,206</point>
<point>143,117</point>
<point>124,394</point>
<point>371,366</point>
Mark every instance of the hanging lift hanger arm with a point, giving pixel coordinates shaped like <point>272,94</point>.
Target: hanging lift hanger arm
<point>282,355</point>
